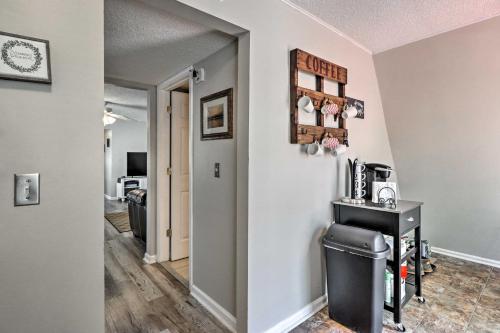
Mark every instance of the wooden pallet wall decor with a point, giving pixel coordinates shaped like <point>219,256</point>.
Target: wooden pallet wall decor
<point>322,69</point>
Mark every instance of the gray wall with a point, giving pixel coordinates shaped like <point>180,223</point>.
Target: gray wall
<point>290,193</point>
<point>127,136</point>
<point>214,199</point>
<point>441,98</point>
<point>51,255</point>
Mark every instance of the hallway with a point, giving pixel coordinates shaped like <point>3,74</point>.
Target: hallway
<point>146,298</point>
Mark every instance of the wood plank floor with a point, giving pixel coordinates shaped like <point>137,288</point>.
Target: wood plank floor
<point>179,269</point>
<point>146,298</point>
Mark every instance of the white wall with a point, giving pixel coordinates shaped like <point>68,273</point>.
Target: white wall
<point>214,199</point>
<point>127,136</point>
<point>51,255</point>
<point>441,98</point>
<point>289,193</point>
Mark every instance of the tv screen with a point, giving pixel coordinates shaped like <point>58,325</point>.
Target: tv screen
<point>137,164</point>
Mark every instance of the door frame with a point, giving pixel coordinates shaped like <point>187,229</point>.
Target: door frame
<point>149,255</point>
<point>163,216</point>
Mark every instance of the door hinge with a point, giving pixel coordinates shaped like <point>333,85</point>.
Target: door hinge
<point>169,109</point>
<point>169,171</point>
<point>169,232</point>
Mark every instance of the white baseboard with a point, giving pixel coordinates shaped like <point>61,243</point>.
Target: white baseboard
<point>214,308</point>
<point>300,316</point>
<point>110,197</point>
<point>464,256</point>
<point>149,259</point>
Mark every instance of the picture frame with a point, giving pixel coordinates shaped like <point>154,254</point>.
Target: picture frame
<point>24,58</point>
<point>217,115</point>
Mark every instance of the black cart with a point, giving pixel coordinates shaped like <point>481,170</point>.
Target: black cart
<point>396,223</point>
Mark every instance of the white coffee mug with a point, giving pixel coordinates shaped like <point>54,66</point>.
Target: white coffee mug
<point>341,149</point>
<point>305,103</point>
<point>350,112</point>
<point>359,176</point>
<point>315,149</point>
<point>360,167</point>
<point>359,194</point>
<point>360,184</point>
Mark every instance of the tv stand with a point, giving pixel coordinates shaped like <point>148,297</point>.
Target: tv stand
<point>127,184</point>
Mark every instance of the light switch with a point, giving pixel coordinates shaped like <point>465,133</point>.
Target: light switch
<point>27,189</point>
<point>217,170</point>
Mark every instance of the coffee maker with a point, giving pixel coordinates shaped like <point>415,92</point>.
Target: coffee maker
<point>376,172</point>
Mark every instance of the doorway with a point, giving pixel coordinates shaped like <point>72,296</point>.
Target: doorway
<point>175,175</point>
<point>126,154</point>
<point>174,37</point>
<point>179,171</point>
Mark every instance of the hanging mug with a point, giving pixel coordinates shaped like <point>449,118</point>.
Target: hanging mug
<point>330,142</point>
<point>339,150</point>
<point>349,112</point>
<point>329,108</point>
<point>315,149</point>
<point>305,103</point>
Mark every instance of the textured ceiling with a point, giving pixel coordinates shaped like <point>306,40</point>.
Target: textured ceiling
<point>379,25</point>
<point>148,45</point>
<point>131,103</point>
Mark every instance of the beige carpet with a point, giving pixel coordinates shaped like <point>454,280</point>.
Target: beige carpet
<point>119,220</point>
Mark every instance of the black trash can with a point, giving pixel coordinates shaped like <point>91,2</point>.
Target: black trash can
<point>133,215</point>
<point>137,213</point>
<point>140,200</point>
<point>355,263</point>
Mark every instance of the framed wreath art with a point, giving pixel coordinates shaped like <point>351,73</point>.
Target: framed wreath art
<point>24,58</point>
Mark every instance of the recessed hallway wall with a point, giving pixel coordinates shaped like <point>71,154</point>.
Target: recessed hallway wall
<point>214,199</point>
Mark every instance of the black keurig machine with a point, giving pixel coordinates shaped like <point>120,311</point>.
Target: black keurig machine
<point>375,172</point>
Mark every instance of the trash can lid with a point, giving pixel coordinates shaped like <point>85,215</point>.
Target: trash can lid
<point>141,197</point>
<point>131,195</point>
<point>137,196</point>
<point>358,241</point>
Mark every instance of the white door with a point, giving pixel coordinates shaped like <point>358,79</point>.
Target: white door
<point>180,176</point>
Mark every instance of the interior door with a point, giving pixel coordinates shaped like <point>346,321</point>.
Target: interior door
<point>179,223</point>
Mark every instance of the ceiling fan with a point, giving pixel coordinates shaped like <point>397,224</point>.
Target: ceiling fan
<point>110,117</point>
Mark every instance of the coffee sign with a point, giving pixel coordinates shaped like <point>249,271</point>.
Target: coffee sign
<point>310,63</point>
<point>24,58</point>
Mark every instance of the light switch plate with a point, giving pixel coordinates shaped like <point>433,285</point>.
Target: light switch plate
<point>217,170</point>
<point>27,189</point>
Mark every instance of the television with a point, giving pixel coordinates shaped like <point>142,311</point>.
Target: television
<point>137,164</point>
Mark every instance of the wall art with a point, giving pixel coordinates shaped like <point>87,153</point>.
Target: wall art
<point>24,58</point>
<point>217,115</point>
